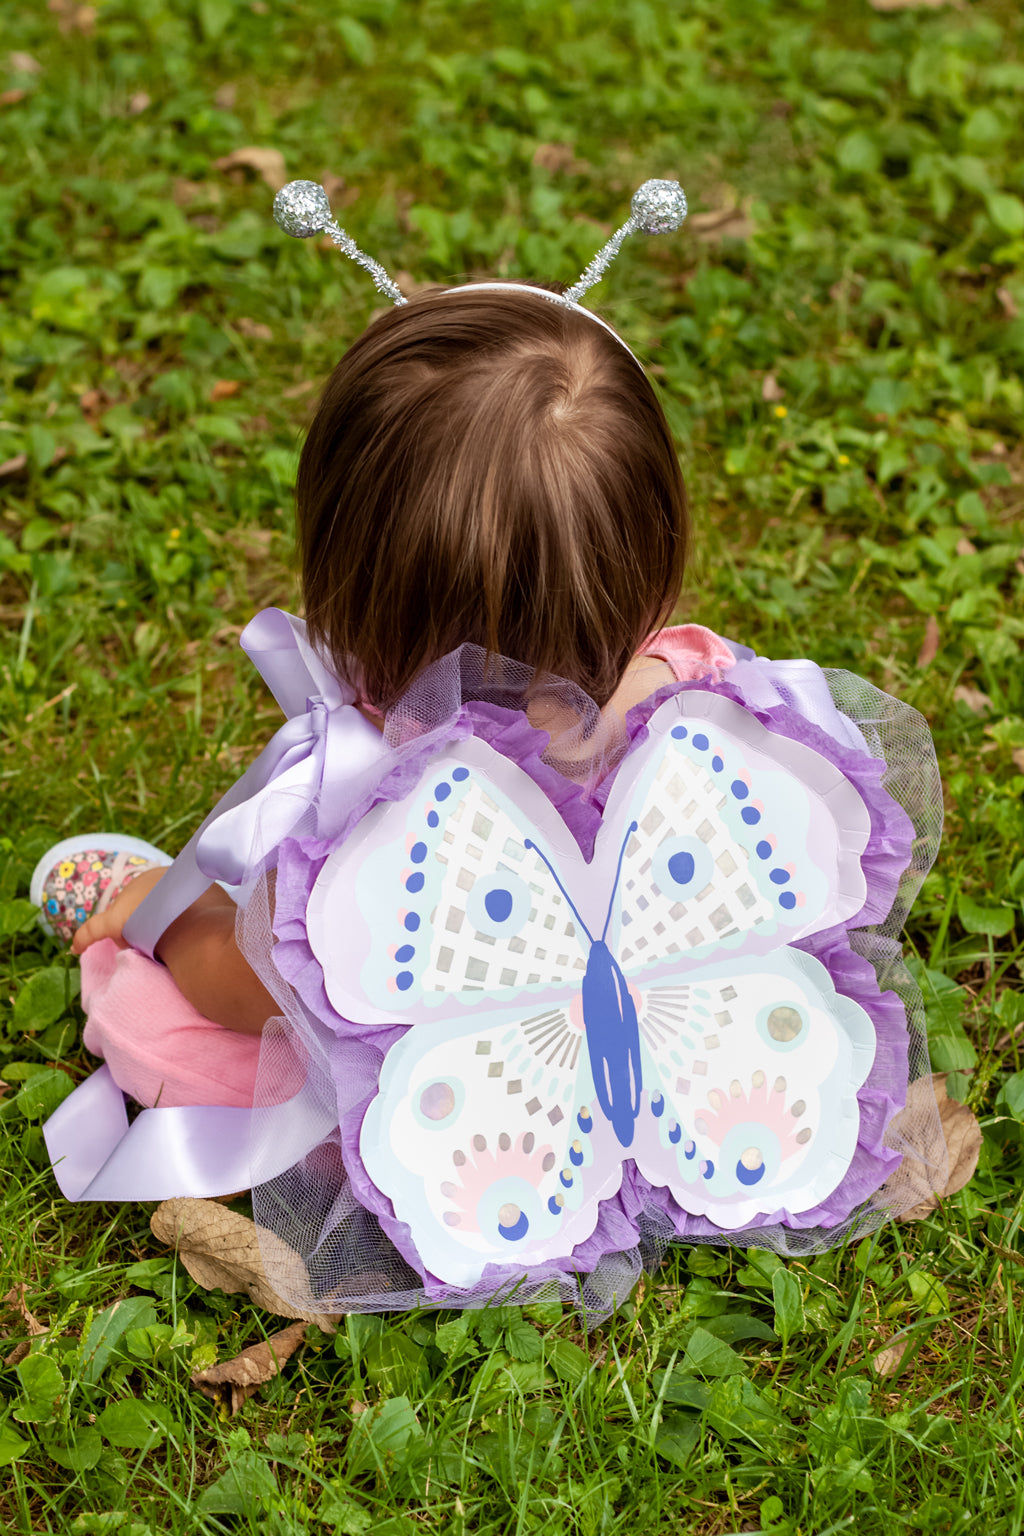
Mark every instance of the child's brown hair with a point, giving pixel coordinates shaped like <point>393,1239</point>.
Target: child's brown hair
<point>489,467</point>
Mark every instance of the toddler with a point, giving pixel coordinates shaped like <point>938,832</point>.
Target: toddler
<point>490,731</point>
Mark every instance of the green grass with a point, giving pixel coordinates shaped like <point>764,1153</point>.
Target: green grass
<point>873,277</point>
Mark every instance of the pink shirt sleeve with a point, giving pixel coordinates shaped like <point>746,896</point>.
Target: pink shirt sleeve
<point>691,651</point>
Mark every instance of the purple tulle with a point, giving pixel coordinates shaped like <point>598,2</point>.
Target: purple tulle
<point>638,1206</point>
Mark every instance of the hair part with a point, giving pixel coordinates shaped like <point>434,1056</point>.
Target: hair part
<point>494,469</point>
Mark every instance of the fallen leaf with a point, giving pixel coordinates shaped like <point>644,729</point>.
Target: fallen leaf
<point>24,64</point>
<point>976,701</point>
<point>887,1361</point>
<point>9,98</point>
<point>73,18</point>
<point>15,1301</point>
<point>231,1383</point>
<point>225,96</point>
<point>1018,758</point>
<point>558,157</point>
<point>930,644</point>
<point>13,466</point>
<point>138,103</point>
<point>965,547</point>
<point>223,389</point>
<point>1009,303</point>
<point>91,402</point>
<point>268,163</point>
<point>339,193</point>
<point>771,389</point>
<point>293,392</point>
<point>730,223</point>
<point>952,1142</point>
<point>221,1251</point>
<point>254,329</point>
<point>912,5</point>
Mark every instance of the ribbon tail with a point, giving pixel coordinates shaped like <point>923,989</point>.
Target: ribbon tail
<point>200,1150</point>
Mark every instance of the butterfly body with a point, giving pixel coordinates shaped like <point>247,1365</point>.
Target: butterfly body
<point>689,1041</point>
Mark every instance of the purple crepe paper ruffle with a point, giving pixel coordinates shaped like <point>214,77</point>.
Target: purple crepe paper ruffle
<point>623,1219</point>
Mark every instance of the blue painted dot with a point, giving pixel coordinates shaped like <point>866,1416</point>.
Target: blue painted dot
<point>432,818</point>
<point>787,900</point>
<point>717,764</point>
<point>657,1105</point>
<point>415,881</point>
<point>584,1122</point>
<point>739,789</point>
<point>566,1177</point>
<point>576,1158</point>
<point>554,1207</point>
<point>749,1175</point>
<point>764,850</point>
<point>405,953</point>
<point>680,732</point>
<point>779,877</point>
<point>681,867</point>
<point>750,815</point>
<point>418,852</point>
<point>690,1149</point>
<point>709,1170</point>
<point>700,741</point>
<point>412,921</point>
<point>517,1229</point>
<point>460,774</point>
<point>442,791</point>
<point>404,980</point>
<point>498,904</point>
<point>675,1134</point>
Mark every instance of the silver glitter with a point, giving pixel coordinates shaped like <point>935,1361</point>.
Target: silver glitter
<point>302,209</point>
<point>657,207</point>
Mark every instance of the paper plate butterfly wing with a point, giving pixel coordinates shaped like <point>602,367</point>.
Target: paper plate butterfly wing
<point>742,839</point>
<point>751,1075</point>
<point>443,898</point>
<point>484,1138</point>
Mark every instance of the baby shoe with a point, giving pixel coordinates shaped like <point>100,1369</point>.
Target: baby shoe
<point>82,875</point>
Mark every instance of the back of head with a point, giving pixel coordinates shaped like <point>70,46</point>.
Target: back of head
<point>494,468</point>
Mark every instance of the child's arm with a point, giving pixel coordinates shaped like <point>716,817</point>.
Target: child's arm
<point>200,951</point>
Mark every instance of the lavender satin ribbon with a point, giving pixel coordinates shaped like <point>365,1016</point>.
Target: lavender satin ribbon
<point>203,1150</point>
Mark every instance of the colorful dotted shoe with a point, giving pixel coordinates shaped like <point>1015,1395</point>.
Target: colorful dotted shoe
<point>83,874</point>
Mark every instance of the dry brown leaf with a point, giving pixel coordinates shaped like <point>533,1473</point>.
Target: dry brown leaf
<point>13,466</point>
<point>11,98</point>
<point>730,223</point>
<point>964,546</point>
<point>268,163</point>
<point>559,157</point>
<point>255,330</point>
<point>1018,758</point>
<point>1009,303</point>
<point>24,63</point>
<point>15,1301</point>
<point>225,96</point>
<point>930,644</point>
<point>771,389</point>
<point>231,1383</point>
<point>888,1360</point>
<point>296,391</point>
<point>976,701</point>
<point>957,1136</point>
<point>223,389</point>
<point>913,5</point>
<point>138,103</point>
<point>73,18</point>
<point>220,1250</point>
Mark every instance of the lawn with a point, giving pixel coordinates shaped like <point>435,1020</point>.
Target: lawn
<point>838,335</point>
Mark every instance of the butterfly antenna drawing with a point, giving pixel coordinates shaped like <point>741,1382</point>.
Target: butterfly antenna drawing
<point>532,846</point>
<point>618,871</point>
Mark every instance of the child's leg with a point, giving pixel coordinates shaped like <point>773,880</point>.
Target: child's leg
<point>159,1049</point>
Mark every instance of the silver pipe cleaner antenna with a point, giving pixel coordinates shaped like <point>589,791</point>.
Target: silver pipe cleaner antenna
<point>302,208</point>
<point>657,207</point>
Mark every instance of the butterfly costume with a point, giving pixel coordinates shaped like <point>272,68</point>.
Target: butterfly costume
<point>551,1002</point>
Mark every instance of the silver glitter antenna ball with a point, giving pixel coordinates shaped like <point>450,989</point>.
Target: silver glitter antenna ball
<point>302,209</point>
<point>659,207</point>
<point>656,208</point>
